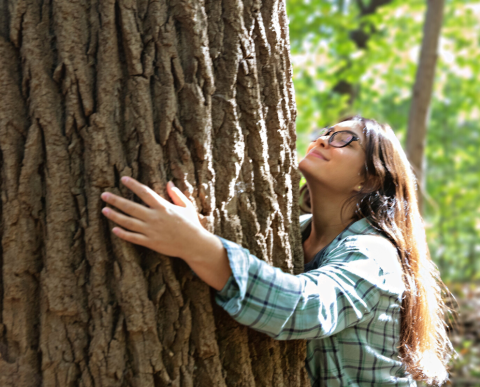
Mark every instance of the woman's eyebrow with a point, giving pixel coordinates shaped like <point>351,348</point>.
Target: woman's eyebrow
<point>344,130</point>
<point>333,130</point>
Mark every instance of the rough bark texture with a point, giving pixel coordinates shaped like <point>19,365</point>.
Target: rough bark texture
<point>195,91</point>
<point>422,91</point>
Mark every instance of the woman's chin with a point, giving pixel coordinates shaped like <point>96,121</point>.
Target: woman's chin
<point>302,164</point>
<point>306,167</point>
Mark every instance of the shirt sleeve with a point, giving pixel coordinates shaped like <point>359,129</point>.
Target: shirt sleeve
<point>311,305</point>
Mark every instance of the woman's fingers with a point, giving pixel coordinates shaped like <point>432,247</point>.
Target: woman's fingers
<point>132,237</point>
<point>177,196</point>
<point>148,195</point>
<point>124,221</point>
<point>131,208</point>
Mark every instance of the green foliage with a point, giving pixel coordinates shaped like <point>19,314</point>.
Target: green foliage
<point>382,76</point>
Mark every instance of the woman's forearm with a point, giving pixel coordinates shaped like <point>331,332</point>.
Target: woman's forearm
<point>209,260</point>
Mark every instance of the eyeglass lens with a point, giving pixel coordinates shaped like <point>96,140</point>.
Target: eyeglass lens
<point>340,139</point>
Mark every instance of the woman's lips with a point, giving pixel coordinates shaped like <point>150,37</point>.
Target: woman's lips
<point>316,154</point>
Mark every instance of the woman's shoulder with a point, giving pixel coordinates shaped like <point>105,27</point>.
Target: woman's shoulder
<point>373,246</point>
<point>363,237</point>
<point>360,235</point>
<point>374,253</point>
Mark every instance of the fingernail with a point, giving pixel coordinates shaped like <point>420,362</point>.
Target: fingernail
<point>105,196</point>
<point>125,179</point>
<point>106,210</point>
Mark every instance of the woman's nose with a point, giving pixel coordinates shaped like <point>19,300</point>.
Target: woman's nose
<point>322,141</point>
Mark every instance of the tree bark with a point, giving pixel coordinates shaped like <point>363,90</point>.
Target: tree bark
<point>422,93</point>
<point>198,92</point>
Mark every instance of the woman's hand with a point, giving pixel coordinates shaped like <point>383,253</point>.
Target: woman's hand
<point>170,229</point>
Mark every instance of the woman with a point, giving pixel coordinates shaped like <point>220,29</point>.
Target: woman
<point>369,301</point>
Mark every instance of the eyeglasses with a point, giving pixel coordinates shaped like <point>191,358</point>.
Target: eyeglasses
<point>338,139</point>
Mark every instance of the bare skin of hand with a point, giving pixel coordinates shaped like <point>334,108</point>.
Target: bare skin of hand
<point>170,229</point>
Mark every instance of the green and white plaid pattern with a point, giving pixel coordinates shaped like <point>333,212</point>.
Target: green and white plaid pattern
<point>347,305</point>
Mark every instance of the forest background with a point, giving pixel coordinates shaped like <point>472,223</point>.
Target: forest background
<point>361,57</point>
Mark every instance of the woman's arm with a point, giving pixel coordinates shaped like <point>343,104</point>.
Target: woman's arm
<point>170,229</point>
<point>210,262</point>
<point>286,307</point>
<point>347,291</point>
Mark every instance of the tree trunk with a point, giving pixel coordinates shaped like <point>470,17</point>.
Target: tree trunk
<point>422,93</point>
<point>191,91</point>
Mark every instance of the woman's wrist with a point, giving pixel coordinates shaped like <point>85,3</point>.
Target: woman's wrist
<point>197,245</point>
<point>208,259</point>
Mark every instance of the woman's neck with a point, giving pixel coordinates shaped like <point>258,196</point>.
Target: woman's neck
<point>327,221</point>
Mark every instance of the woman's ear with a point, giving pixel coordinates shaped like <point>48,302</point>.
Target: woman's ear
<point>359,186</point>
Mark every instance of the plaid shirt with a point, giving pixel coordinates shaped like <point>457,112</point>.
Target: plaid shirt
<point>347,305</point>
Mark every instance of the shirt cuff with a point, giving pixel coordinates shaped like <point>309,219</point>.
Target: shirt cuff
<point>233,293</point>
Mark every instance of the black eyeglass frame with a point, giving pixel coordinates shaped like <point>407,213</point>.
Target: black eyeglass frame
<point>332,136</point>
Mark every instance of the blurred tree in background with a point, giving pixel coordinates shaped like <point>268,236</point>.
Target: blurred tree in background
<point>361,57</point>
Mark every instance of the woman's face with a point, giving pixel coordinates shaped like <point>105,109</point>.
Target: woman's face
<point>339,169</point>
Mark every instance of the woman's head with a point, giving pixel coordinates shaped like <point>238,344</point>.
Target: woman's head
<point>332,165</point>
<point>369,171</point>
<point>387,199</point>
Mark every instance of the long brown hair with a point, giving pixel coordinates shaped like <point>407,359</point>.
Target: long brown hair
<point>388,201</point>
